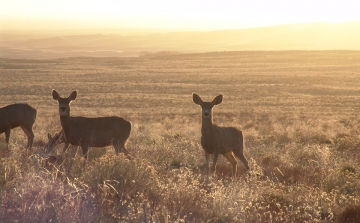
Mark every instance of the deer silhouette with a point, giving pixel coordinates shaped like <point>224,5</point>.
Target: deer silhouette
<point>92,132</point>
<point>16,115</point>
<point>216,140</point>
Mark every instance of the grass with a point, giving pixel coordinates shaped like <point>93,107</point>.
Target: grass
<point>298,111</point>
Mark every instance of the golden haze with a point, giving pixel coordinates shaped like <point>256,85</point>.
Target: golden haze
<point>299,111</point>
<point>132,42</point>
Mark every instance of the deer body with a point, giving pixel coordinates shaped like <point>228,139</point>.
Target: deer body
<point>216,140</point>
<point>220,139</point>
<point>16,115</point>
<point>92,132</point>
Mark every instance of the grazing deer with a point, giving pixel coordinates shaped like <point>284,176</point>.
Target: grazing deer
<point>16,115</point>
<point>216,140</point>
<point>92,132</point>
<point>57,139</point>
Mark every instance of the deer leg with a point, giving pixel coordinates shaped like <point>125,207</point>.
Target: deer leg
<point>67,144</point>
<point>116,147</point>
<point>31,139</point>
<point>73,151</point>
<point>123,149</point>
<point>230,156</point>
<point>29,134</point>
<point>243,160</point>
<point>7,136</point>
<point>213,169</point>
<point>207,157</point>
<point>72,158</point>
<point>126,152</point>
<point>85,149</point>
<point>120,147</point>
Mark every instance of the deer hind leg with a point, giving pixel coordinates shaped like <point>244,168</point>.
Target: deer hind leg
<point>230,156</point>
<point>66,145</point>
<point>29,133</point>
<point>116,147</point>
<point>85,149</point>
<point>243,160</point>
<point>120,147</point>
<point>124,150</point>
<point>7,136</point>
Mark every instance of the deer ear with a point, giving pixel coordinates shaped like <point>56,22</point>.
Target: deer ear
<point>218,99</point>
<point>197,100</point>
<point>55,95</point>
<point>73,95</point>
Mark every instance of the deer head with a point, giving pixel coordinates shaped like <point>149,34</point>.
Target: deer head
<point>64,103</point>
<point>207,106</point>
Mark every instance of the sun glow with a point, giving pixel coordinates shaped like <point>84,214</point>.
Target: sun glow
<point>171,14</point>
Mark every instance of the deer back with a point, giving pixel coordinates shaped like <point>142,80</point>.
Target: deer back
<point>221,139</point>
<point>15,115</point>
<point>97,132</point>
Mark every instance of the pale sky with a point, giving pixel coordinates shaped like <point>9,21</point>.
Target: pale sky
<point>171,14</point>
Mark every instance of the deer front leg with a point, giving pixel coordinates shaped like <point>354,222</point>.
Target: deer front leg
<point>207,157</point>
<point>213,169</point>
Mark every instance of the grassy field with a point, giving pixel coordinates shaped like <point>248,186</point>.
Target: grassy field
<point>299,111</point>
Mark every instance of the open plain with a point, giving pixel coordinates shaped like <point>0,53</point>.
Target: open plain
<point>298,110</point>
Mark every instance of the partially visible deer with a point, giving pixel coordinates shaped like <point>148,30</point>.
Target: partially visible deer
<point>92,132</point>
<point>216,140</point>
<point>55,140</point>
<point>16,115</point>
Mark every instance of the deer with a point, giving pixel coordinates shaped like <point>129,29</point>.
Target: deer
<point>215,140</point>
<point>57,139</point>
<point>92,132</point>
<point>16,115</point>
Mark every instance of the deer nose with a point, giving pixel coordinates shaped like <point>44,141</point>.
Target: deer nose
<point>63,109</point>
<point>206,114</point>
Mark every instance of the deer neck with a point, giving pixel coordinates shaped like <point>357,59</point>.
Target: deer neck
<point>207,126</point>
<point>65,122</point>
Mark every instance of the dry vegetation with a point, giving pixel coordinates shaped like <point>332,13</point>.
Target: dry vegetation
<point>299,111</point>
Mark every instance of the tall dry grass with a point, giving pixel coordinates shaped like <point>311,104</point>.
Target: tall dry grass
<point>298,112</point>
<point>293,181</point>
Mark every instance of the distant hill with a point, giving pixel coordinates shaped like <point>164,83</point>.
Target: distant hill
<point>314,36</point>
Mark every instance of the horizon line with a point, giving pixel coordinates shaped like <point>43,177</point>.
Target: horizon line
<point>185,29</point>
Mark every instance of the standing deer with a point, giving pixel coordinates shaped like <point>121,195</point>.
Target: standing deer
<point>57,139</point>
<point>92,132</point>
<point>16,115</point>
<point>216,140</point>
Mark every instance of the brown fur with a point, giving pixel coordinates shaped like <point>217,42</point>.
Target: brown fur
<point>16,115</point>
<point>57,139</point>
<point>216,140</point>
<point>92,132</point>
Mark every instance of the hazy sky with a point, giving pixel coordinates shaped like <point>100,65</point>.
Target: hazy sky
<point>171,14</point>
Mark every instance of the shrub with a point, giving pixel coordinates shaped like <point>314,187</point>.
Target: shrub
<point>122,186</point>
<point>40,199</point>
